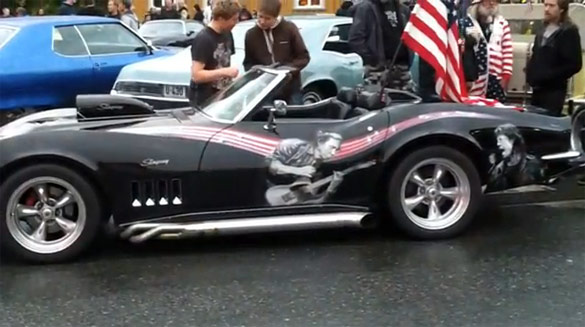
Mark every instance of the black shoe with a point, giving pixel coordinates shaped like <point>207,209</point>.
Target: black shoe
<point>581,181</point>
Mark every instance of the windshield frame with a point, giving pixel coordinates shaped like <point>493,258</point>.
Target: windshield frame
<point>280,76</point>
<point>15,31</point>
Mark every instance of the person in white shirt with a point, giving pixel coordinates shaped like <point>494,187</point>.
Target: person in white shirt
<point>207,13</point>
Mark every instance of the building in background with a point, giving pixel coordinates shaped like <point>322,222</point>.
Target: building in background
<point>289,7</point>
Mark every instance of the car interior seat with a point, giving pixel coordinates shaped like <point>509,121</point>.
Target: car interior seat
<point>370,100</point>
<point>349,96</point>
<point>330,108</point>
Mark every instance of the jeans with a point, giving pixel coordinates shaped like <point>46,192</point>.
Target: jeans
<point>551,100</point>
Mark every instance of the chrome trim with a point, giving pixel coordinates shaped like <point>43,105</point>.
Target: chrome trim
<point>140,38</point>
<point>67,56</point>
<point>250,212</point>
<point>83,39</point>
<point>562,156</point>
<point>139,233</point>
<point>16,31</point>
<point>280,76</point>
<point>130,95</point>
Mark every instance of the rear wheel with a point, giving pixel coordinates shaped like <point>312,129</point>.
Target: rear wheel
<point>48,214</point>
<point>434,193</point>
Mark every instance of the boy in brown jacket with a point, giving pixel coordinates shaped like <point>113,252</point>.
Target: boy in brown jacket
<point>275,40</point>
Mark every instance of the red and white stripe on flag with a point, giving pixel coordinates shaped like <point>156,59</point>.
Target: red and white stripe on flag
<point>429,35</point>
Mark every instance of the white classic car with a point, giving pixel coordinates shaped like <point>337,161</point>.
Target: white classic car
<point>164,83</point>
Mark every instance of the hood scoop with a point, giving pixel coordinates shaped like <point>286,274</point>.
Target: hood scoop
<point>91,107</point>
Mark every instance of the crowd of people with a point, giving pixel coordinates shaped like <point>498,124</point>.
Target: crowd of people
<point>375,35</point>
<point>124,9</point>
<point>486,44</point>
<point>486,47</point>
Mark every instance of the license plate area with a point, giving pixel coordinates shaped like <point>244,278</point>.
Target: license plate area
<point>175,91</point>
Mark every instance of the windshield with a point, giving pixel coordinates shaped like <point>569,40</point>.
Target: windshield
<point>156,29</point>
<point>5,34</point>
<point>241,96</point>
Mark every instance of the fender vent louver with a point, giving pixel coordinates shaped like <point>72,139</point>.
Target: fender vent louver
<point>151,193</point>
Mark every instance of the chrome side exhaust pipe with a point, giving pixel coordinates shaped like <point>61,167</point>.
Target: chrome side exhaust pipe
<point>142,232</point>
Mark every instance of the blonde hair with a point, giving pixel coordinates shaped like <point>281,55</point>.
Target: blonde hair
<point>225,9</point>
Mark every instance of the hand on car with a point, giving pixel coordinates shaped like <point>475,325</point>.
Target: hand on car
<point>231,72</point>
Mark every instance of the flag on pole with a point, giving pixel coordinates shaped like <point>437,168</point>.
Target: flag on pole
<point>432,32</point>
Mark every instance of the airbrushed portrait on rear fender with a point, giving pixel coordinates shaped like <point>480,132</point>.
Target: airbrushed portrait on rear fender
<point>512,166</point>
<point>294,175</point>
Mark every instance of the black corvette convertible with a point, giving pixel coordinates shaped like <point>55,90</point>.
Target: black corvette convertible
<point>248,163</point>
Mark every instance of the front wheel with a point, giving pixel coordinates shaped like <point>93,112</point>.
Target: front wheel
<point>48,214</point>
<point>434,193</point>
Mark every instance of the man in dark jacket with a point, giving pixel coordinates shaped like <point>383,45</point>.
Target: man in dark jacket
<point>169,11</point>
<point>90,9</point>
<point>375,35</point>
<point>67,8</point>
<point>275,40</point>
<point>556,57</point>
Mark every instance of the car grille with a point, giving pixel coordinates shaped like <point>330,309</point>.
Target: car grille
<point>138,88</point>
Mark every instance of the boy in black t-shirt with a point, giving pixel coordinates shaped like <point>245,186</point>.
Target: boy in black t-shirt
<point>211,51</point>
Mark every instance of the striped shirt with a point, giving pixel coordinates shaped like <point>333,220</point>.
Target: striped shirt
<point>501,52</point>
<point>494,57</point>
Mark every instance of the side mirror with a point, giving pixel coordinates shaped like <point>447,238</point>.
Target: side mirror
<point>279,109</point>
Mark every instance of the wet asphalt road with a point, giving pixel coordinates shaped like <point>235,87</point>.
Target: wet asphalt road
<point>519,265</point>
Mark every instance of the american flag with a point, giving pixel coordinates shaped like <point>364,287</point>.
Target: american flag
<point>432,32</point>
<point>479,87</point>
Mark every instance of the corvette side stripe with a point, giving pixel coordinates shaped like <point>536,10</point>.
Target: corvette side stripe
<point>265,146</point>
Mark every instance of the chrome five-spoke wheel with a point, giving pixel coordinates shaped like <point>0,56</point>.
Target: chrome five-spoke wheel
<point>49,213</point>
<point>435,195</point>
<point>46,215</point>
<point>433,192</point>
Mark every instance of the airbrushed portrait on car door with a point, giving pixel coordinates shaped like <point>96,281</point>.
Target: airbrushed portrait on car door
<point>294,170</point>
<point>512,166</point>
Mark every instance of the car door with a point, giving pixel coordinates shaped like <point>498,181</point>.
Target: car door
<point>243,163</point>
<point>111,46</point>
<point>70,71</point>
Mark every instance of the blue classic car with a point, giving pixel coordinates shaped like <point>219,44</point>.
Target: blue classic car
<point>163,82</point>
<point>47,61</point>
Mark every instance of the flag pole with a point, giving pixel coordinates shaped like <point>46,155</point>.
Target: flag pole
<point>398,48</point>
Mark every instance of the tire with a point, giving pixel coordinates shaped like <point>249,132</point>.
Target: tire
<point>313,94</point>
<point>69,229</point>
<point>457,196</point>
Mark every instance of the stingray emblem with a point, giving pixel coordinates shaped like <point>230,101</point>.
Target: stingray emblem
<point>107,106</point>
<point>152,162</point>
